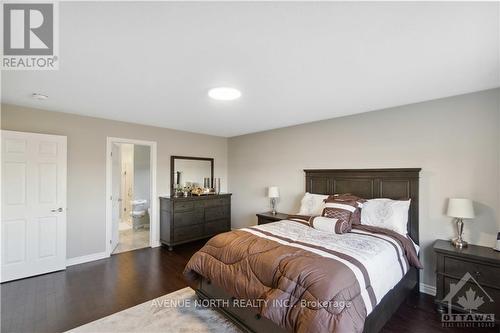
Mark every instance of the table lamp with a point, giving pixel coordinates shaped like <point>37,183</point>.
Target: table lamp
<point>273,193</point>
<point>460,209</point>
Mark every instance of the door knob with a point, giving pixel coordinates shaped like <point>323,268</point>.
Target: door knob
<point>58,210</point>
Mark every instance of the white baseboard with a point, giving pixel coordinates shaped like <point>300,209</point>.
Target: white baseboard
<point>156,244</point>
<point>427,289</point>
<point>86,258</point>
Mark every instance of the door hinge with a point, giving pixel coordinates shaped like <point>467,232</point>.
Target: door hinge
<point>110,197</point>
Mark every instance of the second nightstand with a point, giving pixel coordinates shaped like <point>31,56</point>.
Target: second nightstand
<point>269,217</point>
<point>475,268</point>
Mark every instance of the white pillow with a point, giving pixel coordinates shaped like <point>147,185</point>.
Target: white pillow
<point>386,213</point>
<point>312,204</point>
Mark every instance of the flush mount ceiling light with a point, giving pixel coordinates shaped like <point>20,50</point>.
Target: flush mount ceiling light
<point>224,93</point>
<point>40,97</point>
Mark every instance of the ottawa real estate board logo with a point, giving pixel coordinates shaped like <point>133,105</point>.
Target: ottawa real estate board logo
<point>30,36</point>
<point>472,303</point>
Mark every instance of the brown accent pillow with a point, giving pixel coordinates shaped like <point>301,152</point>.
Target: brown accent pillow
<point>352,200</point>
<point>306,219</point>
<point>341,211</point>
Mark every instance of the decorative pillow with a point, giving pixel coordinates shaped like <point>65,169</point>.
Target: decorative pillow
<point>342,210</point>
<point>305,219</point>
<point>386,213</point>
<point>356,216</point>
<point>312,204</point>
<point>328,224</point>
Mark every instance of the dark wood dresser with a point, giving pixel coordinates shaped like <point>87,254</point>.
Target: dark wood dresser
<point>483,265</point>
<point>187,219</point>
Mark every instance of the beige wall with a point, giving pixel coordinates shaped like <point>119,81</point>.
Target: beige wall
<point>87,166</point>
<point>454,140</point>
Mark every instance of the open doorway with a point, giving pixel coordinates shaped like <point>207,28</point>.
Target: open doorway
<point>130,183</point>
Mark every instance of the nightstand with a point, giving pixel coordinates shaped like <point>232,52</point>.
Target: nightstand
<point>269,217</point>
<point>482,265</point>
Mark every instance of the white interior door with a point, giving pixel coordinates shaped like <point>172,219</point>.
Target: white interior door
<point>33,204</point>
<point>116,198</point>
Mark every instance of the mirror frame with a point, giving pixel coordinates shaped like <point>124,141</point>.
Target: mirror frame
<point>172,168</point>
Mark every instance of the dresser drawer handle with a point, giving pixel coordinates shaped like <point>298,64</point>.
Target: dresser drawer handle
<point>477,273</point>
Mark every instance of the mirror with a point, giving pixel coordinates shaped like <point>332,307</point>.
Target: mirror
<point>191,171</point>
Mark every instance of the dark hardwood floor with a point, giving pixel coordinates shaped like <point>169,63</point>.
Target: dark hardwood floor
<point>418,315</point>
<point>63,300</point>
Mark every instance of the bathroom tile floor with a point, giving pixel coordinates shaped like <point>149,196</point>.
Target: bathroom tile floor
<point>132,240</point>
<point>124,226</point>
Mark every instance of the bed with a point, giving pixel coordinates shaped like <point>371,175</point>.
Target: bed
<point>372,287</point>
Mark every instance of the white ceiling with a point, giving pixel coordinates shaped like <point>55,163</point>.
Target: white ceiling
<point>152,63</point>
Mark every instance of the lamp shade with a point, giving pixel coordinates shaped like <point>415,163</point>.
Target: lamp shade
<point>273,192</point>
<point>461,208</point>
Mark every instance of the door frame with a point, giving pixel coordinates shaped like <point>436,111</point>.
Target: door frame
<point>154,230</point>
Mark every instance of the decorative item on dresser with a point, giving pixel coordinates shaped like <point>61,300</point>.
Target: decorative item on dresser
<point>458,271</point>
<point>216,185</point>
<point>497,244</point>
<point>460,209</point>
<point>269,217</point>
<point>187,219</point>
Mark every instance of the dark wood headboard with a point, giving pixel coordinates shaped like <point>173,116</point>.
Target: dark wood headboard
<point>369,184</point>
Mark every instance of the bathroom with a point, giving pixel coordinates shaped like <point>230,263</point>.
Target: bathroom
<point>131,184</point>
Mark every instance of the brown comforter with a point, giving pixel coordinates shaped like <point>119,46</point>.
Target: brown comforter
<point>297,289</point>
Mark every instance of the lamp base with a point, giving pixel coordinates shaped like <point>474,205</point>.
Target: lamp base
<point>459,243</point>
<point>273,205</point>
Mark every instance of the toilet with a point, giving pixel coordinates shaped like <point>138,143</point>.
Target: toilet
<point>140,214</point>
